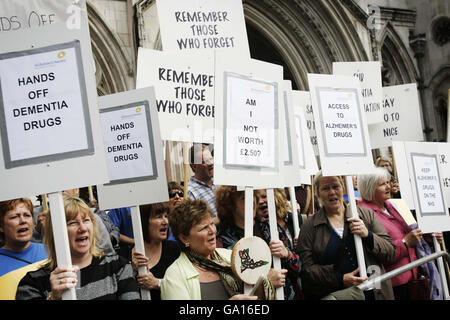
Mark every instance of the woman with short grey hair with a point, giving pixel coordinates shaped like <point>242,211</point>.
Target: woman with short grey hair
<point>375,190</point>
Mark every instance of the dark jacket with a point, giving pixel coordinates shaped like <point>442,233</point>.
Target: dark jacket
<point>319,279</point>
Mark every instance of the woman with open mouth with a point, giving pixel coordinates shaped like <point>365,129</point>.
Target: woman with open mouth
<point>327,248</point>
<point>202,271</point>
<point>93,274</point>
<point>160,253</point>
<point>16,230</point>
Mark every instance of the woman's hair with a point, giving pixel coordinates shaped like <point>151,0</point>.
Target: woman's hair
<point>226,197</point>
<point>72,207</point>
<point>172,185</point>
<point>318,178</point>
<point>281,204</point>
<point>367,183</point>
<point>149,211</point>
<point>380,159</point>
<point>9,205</point>
<point>186,215</point>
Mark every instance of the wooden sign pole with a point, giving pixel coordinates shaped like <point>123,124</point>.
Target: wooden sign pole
<point>139,244</point>
<point>44,202</point>
<point>274,236</point>
<point>91,194</point>
<point>358,241</point>
<point>59,225</point>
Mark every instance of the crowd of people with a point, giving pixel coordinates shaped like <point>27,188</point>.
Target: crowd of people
<point>189,240</point>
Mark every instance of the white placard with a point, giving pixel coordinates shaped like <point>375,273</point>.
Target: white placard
<point>247,146</point>
<point>191,26</point>
<point>369,75</point>
<point>293,158</point>
<point>308,166</point>
<point>128,146</point>
<point>423,182</point>
<point>134,150</point>
<point>44,103</point>
<point>302,104</point>
<point>20,15</point>
<point>342,135</point>
<point>184,91</point>
<point>442,151</point>
<point>69,164</point>
<point>251,108</point>
<point>428,184</point>
<point>402,120</point>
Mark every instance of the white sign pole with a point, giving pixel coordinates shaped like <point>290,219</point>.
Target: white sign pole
<point>294,211</point>
<point>440,262</point>
<point>248,223</point>
<point>61,239</point>
<point>354,212</point>
<point>274,235</point>
<point>186,168</point>
<point>139,244</point>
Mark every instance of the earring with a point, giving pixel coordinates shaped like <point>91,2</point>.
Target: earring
<point>186,244</point>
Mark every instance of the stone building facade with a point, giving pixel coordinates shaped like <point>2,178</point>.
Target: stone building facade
<point>410,37</point>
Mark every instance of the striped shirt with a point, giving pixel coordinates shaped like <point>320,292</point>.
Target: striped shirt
<point>200,190</point>
<point>106,278</point>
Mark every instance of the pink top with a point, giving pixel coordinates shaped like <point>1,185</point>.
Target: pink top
<point>397,229</point>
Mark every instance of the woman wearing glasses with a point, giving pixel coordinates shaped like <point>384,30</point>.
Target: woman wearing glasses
<point>176,194</point>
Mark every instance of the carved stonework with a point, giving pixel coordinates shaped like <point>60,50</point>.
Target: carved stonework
<point>418,44</point>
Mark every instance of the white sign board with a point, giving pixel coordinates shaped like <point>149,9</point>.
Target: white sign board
<point>133,149</point>
<point>402,120</point>
<point>44,102</point>
<point>247,147</point>
<point>425,177</point>
<point>307,159</point>
<point>369,75</point>
<point>191,26</point>
<point>49,122</point>
<point>442,151</point>
<point>302,104</point>
<point>292,158</point>
<point>428,184</point>
<point>184,91</point>
<point>20,15</point>
<point>343,137</point>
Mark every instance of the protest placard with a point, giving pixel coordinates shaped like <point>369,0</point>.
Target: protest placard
<point>248,146</point>
<point>369,75</point>
<point>302,104</point>
<point>21,15</point>
<point>192,26</point>
<point>133,150</point>
<point>442,152</point>
<point>343,138</point>
<point>401,119</point>
<point>184,91</point>
<point>307,143</point>
<point>49,123</point>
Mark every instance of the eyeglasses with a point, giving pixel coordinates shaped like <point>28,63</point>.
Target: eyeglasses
<point>174,193</point>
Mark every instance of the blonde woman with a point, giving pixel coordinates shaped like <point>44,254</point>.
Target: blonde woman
<point>100,276</point>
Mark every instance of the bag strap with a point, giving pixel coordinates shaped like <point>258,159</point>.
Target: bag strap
<point>13,257</point>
